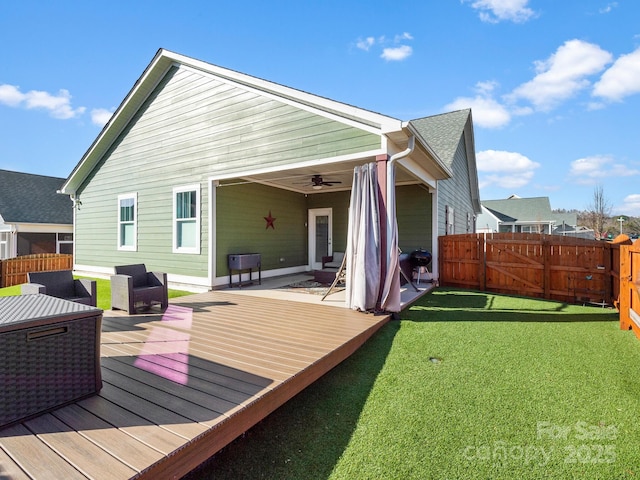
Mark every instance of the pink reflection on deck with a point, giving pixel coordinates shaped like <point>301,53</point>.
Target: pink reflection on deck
<point>166,351</point>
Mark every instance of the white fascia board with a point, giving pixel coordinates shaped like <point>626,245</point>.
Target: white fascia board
<point>310,163</point>
<point>412,167</point>
<point>43,228</point>
<point>534,222</point>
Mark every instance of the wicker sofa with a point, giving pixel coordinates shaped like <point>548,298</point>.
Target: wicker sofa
<point>133,286</point>
<point>61,284</point>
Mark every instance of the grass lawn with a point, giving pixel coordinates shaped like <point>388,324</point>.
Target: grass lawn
<point>466,385</point>
<point>103,287</point>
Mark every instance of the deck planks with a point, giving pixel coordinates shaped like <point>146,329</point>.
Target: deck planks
<point>180,385</point>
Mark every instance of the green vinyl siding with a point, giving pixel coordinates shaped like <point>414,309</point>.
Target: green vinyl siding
<point>455,192</point>
<point>242,228</point>
<point>192,128</point>
<point>96,229</point>
<point>414,206</point>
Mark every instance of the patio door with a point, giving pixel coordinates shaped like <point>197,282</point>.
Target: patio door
<point>320,236</point>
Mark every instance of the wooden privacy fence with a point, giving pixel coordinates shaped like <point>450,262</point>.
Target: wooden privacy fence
<point>545,266</point>
<point>13,271</point>
<point>629,305</point>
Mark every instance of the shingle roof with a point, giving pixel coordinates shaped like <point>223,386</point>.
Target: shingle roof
<point>28,198</point>
<point>501,216</point>
<point>534,209</point>
<point>443,132</point>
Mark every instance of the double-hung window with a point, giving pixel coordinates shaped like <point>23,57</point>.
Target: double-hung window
<point>127,221</point>
<point>186,219</point>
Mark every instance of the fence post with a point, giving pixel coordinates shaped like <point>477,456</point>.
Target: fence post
<point>608,278</point>
<point>546,275</point>
<point>625,291</point>
<point>481,245</point>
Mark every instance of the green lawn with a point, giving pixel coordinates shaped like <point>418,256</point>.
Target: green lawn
<point>103,287</point>
<point>466,385</point>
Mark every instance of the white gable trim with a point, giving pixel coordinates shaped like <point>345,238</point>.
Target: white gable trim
<point>286,100</point>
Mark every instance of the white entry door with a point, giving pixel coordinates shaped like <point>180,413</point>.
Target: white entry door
<point>320,235</point>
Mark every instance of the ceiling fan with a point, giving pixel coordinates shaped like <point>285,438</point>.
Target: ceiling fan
<point>317,182</point>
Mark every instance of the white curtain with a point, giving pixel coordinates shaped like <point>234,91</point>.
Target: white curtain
<point>391,290</point>
<point>363,241</point>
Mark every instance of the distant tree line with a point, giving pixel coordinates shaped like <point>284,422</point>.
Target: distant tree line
<point>598,217</point>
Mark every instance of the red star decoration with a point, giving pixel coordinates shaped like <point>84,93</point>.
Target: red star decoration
<point>270,221</point>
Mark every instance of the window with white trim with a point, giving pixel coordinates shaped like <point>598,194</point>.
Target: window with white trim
<point>449,220</point>
<point>64,243</point>
<point>186,219</point>
<point>128,221</point>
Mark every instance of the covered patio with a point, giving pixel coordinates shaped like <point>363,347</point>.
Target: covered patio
<point>180,385</point>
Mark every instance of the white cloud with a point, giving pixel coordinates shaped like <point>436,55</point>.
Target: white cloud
<point>10,95</point>
<point>487,112</point>
<point>396,54</point>
<point>590,170</point>
<point>504,169</point>
<point>494,11</point>
<point>100,116</point>
<point>392,50</point>
<point>365,44</point>
<point>402,37</point>
<point>630,205</point>
<point>621,80</point>
<point>608,8</point>
<point>59,106</point>
<point>563,74</point>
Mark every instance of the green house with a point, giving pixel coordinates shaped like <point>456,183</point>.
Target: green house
<point>199,162</point>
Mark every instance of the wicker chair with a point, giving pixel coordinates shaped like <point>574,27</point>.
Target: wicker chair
<point>133,286</point>
<point>333,261</point>
<point>61,284</point>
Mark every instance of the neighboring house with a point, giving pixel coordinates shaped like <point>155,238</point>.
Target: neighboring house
<point>199,162</point>
<point>524,215</point>
<point>34,218</point>
<point>567,230</point>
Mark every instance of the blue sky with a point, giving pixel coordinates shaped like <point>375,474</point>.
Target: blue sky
<point>554,86</point>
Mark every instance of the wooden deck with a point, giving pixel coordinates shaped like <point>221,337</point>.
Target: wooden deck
<point>181,385</point>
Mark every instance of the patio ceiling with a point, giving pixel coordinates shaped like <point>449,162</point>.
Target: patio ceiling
<point>299,179</point>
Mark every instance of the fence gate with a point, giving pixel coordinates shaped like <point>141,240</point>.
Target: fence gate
<point>516,266</point>
<point>629,305</point>
<point>545,266</point>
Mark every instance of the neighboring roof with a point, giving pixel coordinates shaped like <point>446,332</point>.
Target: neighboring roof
<point>164,60</point>
<point>565,218</point>
<point>501,216</point>
<point>28,198</point>
<point>535,209</point>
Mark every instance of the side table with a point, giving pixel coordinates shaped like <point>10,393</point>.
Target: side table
<point>50,351</point>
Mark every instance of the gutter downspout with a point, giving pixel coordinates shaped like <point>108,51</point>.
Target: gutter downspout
<point>385,287</point>
<point>391,205</point>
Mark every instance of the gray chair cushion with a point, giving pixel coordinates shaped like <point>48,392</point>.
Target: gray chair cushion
<point>58,283</point>
<point>137,272</point>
